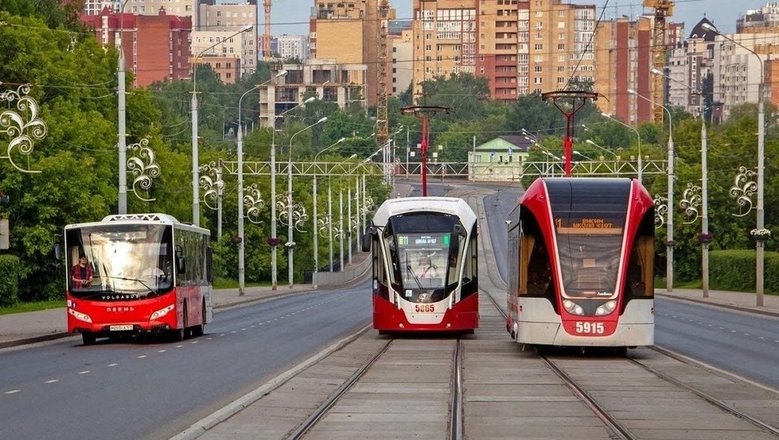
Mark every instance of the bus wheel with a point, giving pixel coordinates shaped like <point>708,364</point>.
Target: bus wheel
<point>88,338</point>
<point>198,329</point>
<point>180,333</point>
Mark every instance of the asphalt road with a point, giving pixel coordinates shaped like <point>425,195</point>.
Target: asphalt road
<point>151,389</point>
<point>737,342</point>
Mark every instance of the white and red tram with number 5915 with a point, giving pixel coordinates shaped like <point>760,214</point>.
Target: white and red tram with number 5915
<point>424,263</point>
<point>581,264</point>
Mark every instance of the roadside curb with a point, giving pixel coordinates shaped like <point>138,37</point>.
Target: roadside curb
<point>725,305</point>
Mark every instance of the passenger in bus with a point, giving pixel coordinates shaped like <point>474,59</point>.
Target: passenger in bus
<point>426,268</point>
<point>81,273</point>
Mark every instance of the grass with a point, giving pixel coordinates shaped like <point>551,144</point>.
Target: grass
<point>34,306</point>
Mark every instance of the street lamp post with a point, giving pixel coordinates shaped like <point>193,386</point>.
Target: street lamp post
<point>760,220</point>
<point>195,169</point>
<point>638,135</point>
<point>273,231</point>
<point>290,223</point>
<point>669,240</point>
<point>591,142</point>
<point>704,187</point>
<point>316,218</point>
<point>241,237</point>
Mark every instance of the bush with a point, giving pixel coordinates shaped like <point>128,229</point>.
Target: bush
<point>735,270</point>
<point>9,280</point>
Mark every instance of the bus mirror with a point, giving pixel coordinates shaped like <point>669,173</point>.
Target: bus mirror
<point>57,252</point>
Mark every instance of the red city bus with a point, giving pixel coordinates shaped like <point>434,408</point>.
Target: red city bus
<point>143,273</point>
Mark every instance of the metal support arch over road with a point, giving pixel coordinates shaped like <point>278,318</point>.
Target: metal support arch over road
<point>594,168</point>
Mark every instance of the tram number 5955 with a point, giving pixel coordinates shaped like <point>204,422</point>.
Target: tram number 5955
<point>590,328</point>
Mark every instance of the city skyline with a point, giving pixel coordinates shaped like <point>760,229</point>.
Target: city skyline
<point>288,17</point>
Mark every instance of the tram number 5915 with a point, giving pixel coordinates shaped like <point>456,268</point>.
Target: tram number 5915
<point>590,328</point>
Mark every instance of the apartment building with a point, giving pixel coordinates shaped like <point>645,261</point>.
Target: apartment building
<point>330,80</point>
<point>291,46</point>
<point>624,60</point>
<point>220,20</point>
<point>402,61</point>
<point>444,33</point>
<point>503,45</point>
<point>156,47</point>
<point>688,65</point>
<point>347,32</point>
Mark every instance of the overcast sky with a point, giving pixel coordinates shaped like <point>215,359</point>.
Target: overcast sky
<point>291,16</point>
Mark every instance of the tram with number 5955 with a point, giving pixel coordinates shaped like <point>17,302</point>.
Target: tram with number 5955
<point>581,264</point>
<point>424,260</point>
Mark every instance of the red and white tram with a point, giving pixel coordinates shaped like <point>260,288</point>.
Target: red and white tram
<point>424,265</point>
<point>581,264</point>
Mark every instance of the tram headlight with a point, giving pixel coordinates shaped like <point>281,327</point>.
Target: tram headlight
<point>572,307</point>
<point>606,308</point>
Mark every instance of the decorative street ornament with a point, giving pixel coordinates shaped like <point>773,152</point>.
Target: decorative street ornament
<point>324,227</point>
<point>143,167</point>
<point>338,232</point>
<point>299,215</point>
<point>744,186</point>
<point>254,204</point>
<point>661,209</point>
<point>211,182</point>
<point>22,132</point>
<point>367,206</point>
<point>691,200</point>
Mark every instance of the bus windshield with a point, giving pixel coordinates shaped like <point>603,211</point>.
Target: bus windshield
<point>124,261</point>
<point>420,250</point>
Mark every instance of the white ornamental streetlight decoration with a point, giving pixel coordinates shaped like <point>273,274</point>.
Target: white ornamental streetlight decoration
<point>23,127</point>
<point>143,167</point>
<point>691,201</point>
<point>744,186</point>
<point>254,204</point>
<point>213,186</point>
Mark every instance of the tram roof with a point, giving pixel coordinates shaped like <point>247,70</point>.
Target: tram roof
<point>405,205</point>
<point>145,218</point>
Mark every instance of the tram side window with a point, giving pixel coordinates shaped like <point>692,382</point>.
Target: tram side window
<point>539,272</point>
<point>640,273</point>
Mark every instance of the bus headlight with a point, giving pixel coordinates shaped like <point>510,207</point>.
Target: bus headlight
<point>606,308</point>
<point>80,316</point>
<point>572,307</point>
<point>160,313</point>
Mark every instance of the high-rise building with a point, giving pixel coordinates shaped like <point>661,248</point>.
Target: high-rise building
<point>347,32</point>
<point>503,47</point>
<point>623,60</point>
<point>562,45</point>
<point>765,17</point>
<point>291,46</point>
<point>156,47</point>
<point>444,39</point>
<point>217,20</point>
<point>402,61</point>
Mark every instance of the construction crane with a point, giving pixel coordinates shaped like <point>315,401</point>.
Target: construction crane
<point>266,55</point>
<point>382,120</point>
<point>663,9</point>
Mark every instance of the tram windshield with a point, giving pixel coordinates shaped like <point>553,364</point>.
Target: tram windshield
<point>421,249</point>
<point>124,261</point>
<point>589,247</point>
